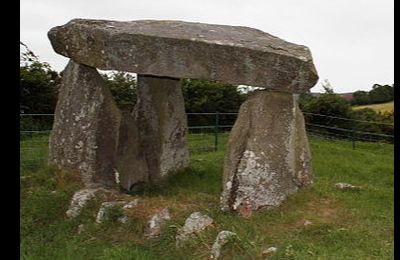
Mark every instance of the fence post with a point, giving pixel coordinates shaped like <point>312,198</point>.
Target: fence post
<point>353,140</point>
<point>216,130</point>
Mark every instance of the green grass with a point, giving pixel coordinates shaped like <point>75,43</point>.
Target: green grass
<point>346,224</point>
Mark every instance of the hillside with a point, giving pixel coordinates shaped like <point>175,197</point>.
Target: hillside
<point>383,107</point>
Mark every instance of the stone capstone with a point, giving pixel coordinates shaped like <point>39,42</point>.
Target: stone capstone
<point>268,156</point>
<point>233,54</point>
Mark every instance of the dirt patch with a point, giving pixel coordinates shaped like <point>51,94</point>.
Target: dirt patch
<point>147,207</point>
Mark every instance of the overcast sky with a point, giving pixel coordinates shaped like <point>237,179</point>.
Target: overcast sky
<point>352,41</point>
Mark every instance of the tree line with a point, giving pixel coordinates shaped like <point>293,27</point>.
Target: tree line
<point>378,94</point>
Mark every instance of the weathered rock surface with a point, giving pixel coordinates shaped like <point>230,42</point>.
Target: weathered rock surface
<point>346,186</point>
<point>195,223</point>
<point>269,251</point>
<point>156,222</point>
<point>268,156</point>
<point>86,126</point>
<point>232,54</point>
<point>160,113</point>
<point>222,238</point>
<point>81,198</point>
<point>102,214</point>
<point>131,160</point>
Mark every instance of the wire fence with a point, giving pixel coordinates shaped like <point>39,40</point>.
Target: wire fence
<point>210,131</point>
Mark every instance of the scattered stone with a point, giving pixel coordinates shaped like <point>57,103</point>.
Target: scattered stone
<point>54,192</point>
<point>269,251</point>
<point>156,222</point>
<point>222,238</point>
<point>346,186</point>
<point>195,223</point>
<point>105,206</point>
<point>268,155</point>
<point>81,229</point>
<point>81,198</point>
<point>131,204</point>
<point>307,223</point>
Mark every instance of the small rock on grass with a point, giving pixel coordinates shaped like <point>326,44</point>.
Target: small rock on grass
<point>195,223</point>
<point>269,251</point>
<point>80,199</point>
<point>102,213</point>
<point>81,228</point>
<point>156,222</point>
<point>222,238</point>
<point>346,186</point>
<point>307,223</point>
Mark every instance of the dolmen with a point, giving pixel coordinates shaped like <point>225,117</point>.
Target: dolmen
<point>267,156</point>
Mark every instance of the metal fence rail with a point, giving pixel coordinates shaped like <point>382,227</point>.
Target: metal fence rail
<point>207,132</point>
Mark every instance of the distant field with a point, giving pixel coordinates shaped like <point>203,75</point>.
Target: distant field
<point>378,107</point>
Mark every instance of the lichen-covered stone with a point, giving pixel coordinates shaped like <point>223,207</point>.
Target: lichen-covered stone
<point>195,223</point>
<point>222,238</point>
<point>81,198</point>
<point>232,54</point>
<point>156,222</point>
<point>102,214</point>
<point>84,137</point>
<point>268,155</point>
<point>160,113</point>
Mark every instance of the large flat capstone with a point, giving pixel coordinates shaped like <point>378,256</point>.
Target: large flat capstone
<point>231,54</point>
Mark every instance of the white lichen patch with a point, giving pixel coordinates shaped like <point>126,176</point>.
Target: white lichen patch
<point>80,199</point>
<point>258,185</point>
<point>156,222</point>
<point>222,238</point>
<point>195,223</point>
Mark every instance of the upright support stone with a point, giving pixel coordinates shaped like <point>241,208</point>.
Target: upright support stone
<point>86,126</point>
<point>268,156</point>
<point>160,115</point>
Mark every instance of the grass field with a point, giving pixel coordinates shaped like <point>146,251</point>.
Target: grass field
<point>384,107</point>
<point>346,224</point>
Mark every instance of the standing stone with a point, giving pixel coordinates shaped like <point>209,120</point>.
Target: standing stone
<point>131,163</point>
<point>86,126</point>
<point>268,156</point>
<point>160,113</point>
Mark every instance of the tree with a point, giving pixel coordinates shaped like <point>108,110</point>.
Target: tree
<point>381,93</point>
<point>360,98</point>
<point>38,84</point>
<point>207,96</point>
<point>123,88</point>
